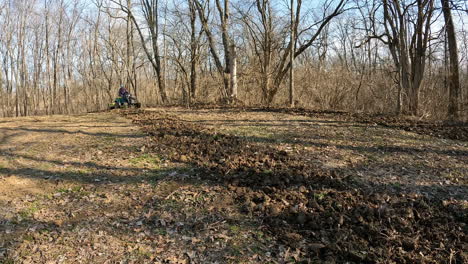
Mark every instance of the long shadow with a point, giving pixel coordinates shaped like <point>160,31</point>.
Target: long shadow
<point>87,126</point>
<point>360,149</point>
<point>314,226</point>
<point>270,123</point>
<point>108,175</point>
<point>396,149</point>
<point>6,138</point>
<point>75,122</point>
<point>282,122</point>
<point>86,165</point>
<point>312,124</point>
<point>63,131</point>
<point>444,191</point>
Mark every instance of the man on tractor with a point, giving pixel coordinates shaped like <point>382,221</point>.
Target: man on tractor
<point>124,97</point>
<point>123,93</point>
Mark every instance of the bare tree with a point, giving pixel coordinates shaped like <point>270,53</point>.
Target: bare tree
<point>262,33</point>
<point>229,77</point>
<point>454,78</point>
<point>194,47</point>
<point>6,50</point>
<point>305,37</point>
<point>407,28</point>
<point>292,40</point>
<point>130,61</point>
<point>276,59</point>
<point>151,15</point>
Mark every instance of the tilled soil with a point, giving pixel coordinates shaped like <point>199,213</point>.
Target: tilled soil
<point>327,215</point>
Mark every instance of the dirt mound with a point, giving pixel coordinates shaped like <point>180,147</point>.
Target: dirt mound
<point>324,215</point>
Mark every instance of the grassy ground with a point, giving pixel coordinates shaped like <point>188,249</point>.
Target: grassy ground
<point>98,189</point>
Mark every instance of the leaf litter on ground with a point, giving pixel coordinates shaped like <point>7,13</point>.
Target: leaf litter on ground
<point>225,186</point>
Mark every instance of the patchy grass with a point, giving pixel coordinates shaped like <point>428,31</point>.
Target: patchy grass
<point>109,139</point>
<point>259,133</point>
<point>74,189</point>
<point>320,196</point>
<point>234,229</point>
<point>30,210</point>
<point>80,171</point>
<point>148,160</point>
<point>46,166</point>
<point>8,261</point>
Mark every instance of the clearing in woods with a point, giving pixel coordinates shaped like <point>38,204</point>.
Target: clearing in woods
<point>228,186</point>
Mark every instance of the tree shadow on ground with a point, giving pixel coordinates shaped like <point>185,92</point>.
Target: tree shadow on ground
<point>275,123</point>
<point>361,149</point>
<point>74,164</point>
<point>63,131</point>
<point>95,177</point>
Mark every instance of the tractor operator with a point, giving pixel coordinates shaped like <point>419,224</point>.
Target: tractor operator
<point>123,93</point>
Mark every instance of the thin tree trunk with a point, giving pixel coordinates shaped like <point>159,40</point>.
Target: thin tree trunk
<point>291,57</point>
<point>454,77</point>
<point>193,49</point>
<point>130,62</point>
<point>233,71</point>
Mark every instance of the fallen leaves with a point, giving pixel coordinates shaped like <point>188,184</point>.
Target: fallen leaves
<point>189,193</point>
<point>343,218</point>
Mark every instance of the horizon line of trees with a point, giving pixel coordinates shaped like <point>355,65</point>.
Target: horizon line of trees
<point>70,56</point>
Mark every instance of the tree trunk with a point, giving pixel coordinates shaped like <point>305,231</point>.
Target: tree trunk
<point>150,11</point>
<point>130,60</point>
<point>454,74</point>
<point>408,38</point>
<point>224,71</point>
<point>291,57</point>
<point>193,49</point>
<point>233,71</point>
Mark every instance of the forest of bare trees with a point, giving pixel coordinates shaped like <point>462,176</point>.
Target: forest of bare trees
<point>385,56</point>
